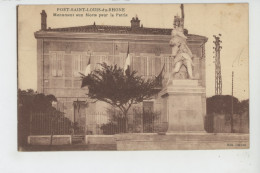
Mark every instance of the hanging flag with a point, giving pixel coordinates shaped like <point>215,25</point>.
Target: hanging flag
<point>88,70</point>
<point>127,61</point>
<point>160,77</point>
<point>86,79</point>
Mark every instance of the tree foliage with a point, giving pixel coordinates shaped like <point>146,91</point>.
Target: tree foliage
<point>38,107</point>
<point>244,106</point>
<point>28,101</point>
<point>111,85</point>
<point>222,104</point>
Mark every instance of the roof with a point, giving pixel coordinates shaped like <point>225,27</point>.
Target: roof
<point>135,28</point>
<point>120,30</point>
<point>114,29</point>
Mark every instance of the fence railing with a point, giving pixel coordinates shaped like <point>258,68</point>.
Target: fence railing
<point>148,122</point>
<point>96,124</point>
<point>50,123</point>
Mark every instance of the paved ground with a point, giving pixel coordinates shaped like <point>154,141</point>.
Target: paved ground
<point>99,147</point>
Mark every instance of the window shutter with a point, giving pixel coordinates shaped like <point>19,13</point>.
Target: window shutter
<point>97,61</point>
<point>150,66</point>
<point>53,64</point>
<point>170,64</point>
<point>56,63</point>
<point>76,65</point>
<point>60,58</point>
<point>136,64</point>
<point>158,66</point>
<point>82,63</point>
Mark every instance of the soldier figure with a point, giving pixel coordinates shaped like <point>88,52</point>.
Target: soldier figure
<point>180,51</point>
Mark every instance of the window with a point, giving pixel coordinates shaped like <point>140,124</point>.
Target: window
<point>98,58</point>
<point>143,66</point>
<point>56,63</point>
<point>79,63</point>
<point>148,66</point>
<point>97,61</point>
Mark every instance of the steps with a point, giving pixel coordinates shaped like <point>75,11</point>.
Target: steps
<point>78,139</point>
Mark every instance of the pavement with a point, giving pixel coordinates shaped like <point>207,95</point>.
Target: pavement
<point>82,147</point>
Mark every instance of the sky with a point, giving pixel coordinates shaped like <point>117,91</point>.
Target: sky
<point>230,20</point>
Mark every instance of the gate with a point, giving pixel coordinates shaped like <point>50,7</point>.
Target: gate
<point>79,117</point>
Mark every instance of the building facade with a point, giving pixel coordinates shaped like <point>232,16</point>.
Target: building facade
<point>64,52</point>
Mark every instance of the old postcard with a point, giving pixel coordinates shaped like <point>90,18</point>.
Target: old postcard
<point>133,77</point>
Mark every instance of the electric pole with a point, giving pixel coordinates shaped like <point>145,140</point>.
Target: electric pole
<point>232,103</point>
<point>218,77</point>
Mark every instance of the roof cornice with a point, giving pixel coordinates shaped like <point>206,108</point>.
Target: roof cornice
<point>112,36</point>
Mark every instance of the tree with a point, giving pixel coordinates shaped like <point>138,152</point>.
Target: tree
<point>244,107</point>
<point>222,104</point>
<point>109,84</point>
<point>34,105</point>
<point>28,101</point>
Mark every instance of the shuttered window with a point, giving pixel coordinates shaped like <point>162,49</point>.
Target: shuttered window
<point>79,63</point>
<point>57,59</point>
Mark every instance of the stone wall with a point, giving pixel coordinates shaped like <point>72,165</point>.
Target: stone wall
<point>221,123</point>
<point>100,139</point>
<point>46,140</point>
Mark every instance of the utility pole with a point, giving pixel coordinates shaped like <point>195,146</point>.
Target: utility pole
<point>232,91</point>
<point>218,77</point>
<point>232,103</point>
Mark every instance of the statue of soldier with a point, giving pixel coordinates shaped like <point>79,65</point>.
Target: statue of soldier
<point>180,52</point>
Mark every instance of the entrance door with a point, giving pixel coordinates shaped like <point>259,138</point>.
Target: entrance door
<point>79,117</point>
<point>147,106</point>
<point>148,116</point>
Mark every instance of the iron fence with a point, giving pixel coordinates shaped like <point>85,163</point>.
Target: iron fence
<point>50,123</point>
<point>146,122</point>
<point>55,123</point>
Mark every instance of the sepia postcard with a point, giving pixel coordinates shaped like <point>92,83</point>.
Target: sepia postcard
<point>133,77</point>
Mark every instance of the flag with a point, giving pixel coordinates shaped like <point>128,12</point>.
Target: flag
<point>88,70</point>
<point>159,78</point>
<point>127,61</point>
<point>86,79</point>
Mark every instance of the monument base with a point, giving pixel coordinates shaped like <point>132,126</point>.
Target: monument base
<point>182,141</point>
<point>184,106</point>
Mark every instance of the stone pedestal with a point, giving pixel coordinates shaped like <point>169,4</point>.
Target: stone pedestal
<point>183,106</point>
